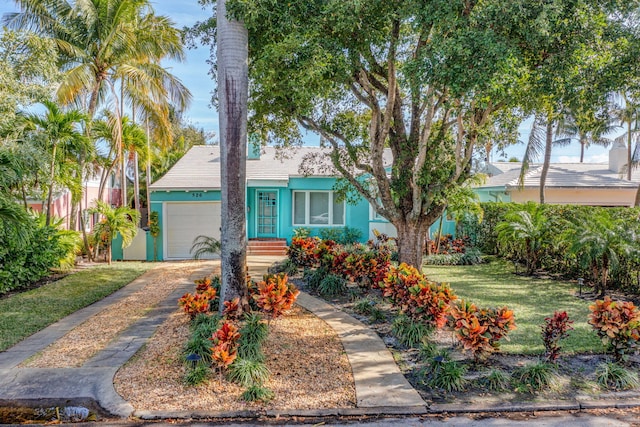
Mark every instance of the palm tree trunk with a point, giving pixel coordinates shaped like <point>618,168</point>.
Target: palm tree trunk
<point>52,170</point>
<point>233,88</point>
<point>582,144</point>
<point>629,151</point>
<point>547,158</point>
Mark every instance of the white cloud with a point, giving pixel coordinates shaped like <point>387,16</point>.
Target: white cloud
<point>568,159</point>
<point>597,158</point>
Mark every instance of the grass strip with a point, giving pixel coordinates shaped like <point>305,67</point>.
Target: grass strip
<point>531,299</point>
<point>26,313</point>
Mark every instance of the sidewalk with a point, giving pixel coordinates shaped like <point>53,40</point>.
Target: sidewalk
<point>379,382</point>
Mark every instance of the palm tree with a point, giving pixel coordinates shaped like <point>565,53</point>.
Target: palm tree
<point>103,42</point>
<point>599,242</point>
<point>628,113</point>
<point>587,129</point>
<point>204,245</point>
<point>59,131</point>
<point>524,232</point>
<point>121,220</point>
<point>233,88</point>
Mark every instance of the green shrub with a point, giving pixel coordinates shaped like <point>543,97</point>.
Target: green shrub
<point>197,374</point>
<point>287,266</point>
<point>252,335</point>
<point>444,374</point>
<point>28,254</point>
<point>332,286</point>
<point>536,377</point>
<point>497,380</point>
<point>202,328</point>
<point>610,375</point>
<point>314,277</point>
<point>341,235</point>
<point>443,259</point>
<point>427,349</point>
<point>248,373</point>
<point>301,232</point>
<point>257,394</point>
<point>409,331</point>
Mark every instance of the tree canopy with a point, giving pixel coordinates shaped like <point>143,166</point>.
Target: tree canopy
<point>421,80</point>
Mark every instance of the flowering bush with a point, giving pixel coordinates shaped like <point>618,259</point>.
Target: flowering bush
<point>448,245</point>
<point>194,304</point>
<point>617,324</point>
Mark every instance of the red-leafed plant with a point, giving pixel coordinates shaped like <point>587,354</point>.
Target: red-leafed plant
<point>232,309</point>
<point>225,345</point>
<point>397,282</point>
<point>554,329</point>
<point>480,330</point>
<point>617,324</point>
<point>301,250</point>
<point>275,294</point>
<point>429,302</point>
<point>194,304</point>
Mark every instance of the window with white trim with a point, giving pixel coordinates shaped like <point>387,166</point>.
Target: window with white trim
<point>317,208</point>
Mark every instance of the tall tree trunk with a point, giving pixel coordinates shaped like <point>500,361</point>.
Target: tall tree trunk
<point>148,177</point>
<point>411,242</point>
<point>547,158</point>
<point>233,89</point>
<point>629,151</point>
<point>52,170</point>
<point>582,145</point>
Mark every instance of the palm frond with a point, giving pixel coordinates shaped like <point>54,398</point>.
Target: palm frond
<point>204,245</point>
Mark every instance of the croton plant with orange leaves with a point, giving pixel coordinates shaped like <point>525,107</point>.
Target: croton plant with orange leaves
<point>617,324</point>
<point>275,294</point>
<point>480,330</point>
<point>225,345</point>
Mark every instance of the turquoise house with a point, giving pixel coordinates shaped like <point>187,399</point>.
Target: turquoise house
<point>279,199</point>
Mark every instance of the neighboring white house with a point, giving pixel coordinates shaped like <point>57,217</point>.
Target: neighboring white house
<point>595,184</point>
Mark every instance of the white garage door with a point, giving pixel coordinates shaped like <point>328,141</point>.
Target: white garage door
<point>186,221</point>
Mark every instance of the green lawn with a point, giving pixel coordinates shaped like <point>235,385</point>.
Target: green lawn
<point>495,285</point>
<point>26,313</point>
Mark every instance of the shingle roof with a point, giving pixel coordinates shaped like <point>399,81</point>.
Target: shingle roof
<point>562,175</point>
<point>199,169</point>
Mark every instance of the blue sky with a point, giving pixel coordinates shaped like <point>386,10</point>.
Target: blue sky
<point>194,74</point>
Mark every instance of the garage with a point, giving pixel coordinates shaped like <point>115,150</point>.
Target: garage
<point>184,221</point>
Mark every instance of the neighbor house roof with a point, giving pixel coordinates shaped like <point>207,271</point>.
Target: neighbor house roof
<point>199,169</point>
<point>560,175</point>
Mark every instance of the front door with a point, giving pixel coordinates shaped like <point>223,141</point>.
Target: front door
<point>267,213</point>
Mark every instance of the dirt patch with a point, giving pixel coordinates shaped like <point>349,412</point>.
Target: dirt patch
<point>309,370</point>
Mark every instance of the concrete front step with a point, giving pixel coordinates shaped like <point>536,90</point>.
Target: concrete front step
<point>267,247</point>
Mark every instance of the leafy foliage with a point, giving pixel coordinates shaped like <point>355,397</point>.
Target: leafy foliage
<point>204,245</point>
<point>444,374</point>
<point>480,330</point>
<point>555,329</point>
<point>497,380</point>
<point>610,375</point>
<point>536,377</point>
<point>342,236</point>
<point>257,394</point>
<point>248,372</point>
<point>410,332</point>
<point>332,286</point>
<point>276,294</point>
<point>419,298</point>
<point>617,324</point>
<point>27,253</point>
<point>225,345</point>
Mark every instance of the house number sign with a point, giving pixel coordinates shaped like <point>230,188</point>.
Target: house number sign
<point>196,195</point>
